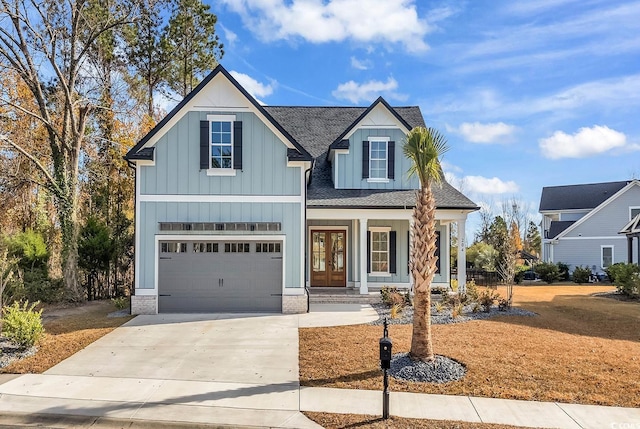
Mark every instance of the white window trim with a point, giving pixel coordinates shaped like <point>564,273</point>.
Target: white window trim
<point>608,246</point>
<point>221,171</point>
<point>386,229</point>
<point>386,167</point>
<point>632,208</point>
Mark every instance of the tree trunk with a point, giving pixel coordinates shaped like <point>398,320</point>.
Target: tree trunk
<point>423,270</point>
<point>68,216</point>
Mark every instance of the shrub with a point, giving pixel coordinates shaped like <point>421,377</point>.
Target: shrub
<point>22,324</point>
<point>503,304</point>
<point>487,298</point>
<point>563,269</point>
<point>472,291</point>
<point>456,311</point>
<point>396,309</point>
<point>385,294</point>
<point>408,300</point>
<point>120,302</point>
<point>548,272</point>
<point>626,278</point>
<point>396,298</point>
<point>439,307</point>
<point>476,308</point>
<point>581,274</point>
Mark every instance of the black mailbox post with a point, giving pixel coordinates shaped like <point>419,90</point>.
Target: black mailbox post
<point>386,346</point>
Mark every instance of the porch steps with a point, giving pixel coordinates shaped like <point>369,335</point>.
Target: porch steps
<point>344,299</point>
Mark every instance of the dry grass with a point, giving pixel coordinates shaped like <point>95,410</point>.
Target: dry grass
<point>67,331</point>
<point>344,421</point>
<point>579,349</point>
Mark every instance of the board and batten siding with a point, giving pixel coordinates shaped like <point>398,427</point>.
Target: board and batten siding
<point>350,165</point>
<point>608,221</point>
<point>402,256</point>
<point>177,162</point>
<point>152,213</point>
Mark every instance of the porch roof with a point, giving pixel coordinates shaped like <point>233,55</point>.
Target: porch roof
<point>632,229</point>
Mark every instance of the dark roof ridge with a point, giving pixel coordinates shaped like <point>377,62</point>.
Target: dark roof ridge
<point>627,181</point>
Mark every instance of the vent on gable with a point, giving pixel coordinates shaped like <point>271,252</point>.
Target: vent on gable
<point>218,226</point>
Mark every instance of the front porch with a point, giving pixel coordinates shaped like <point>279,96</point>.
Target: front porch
<point>354,252</point>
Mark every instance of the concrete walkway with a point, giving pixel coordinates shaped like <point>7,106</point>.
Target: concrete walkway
<point>231,370</point>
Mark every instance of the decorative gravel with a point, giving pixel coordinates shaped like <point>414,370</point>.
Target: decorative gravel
<point>444,316</point>
<point>442,370</point>
<point>10,352</point>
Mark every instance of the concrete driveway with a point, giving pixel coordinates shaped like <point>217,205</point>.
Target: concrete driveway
<point>216,368</point>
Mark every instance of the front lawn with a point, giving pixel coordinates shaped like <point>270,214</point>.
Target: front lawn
<point>579,349</point>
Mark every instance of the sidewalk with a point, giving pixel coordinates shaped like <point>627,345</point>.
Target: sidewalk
<point>470,409</point>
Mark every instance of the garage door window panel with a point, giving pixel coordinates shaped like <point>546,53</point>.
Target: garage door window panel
<point>173,248</point>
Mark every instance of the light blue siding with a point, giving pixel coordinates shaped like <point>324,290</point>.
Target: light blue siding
<point>177,162</point>
<point>152,213</point>
<point>402,253</point>
<point>586,252</point>
<point>350,165</point>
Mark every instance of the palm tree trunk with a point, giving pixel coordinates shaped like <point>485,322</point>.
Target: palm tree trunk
<point>423,270</point>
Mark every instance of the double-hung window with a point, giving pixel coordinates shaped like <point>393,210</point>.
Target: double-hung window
<point>380,251</point>
<point>220,145</point>
<point>606,256</point>
<point>378,159</point>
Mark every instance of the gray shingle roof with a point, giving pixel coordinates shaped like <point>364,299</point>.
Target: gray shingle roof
<point>557,226</point>
<point>587,196</point>
<point>315,128</point>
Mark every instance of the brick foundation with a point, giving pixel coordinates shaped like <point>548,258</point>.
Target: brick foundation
<point>143,304</point>
<point>294,304</point>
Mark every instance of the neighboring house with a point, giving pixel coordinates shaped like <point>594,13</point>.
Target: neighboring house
<point>240,206</point>
<point>581,224</point>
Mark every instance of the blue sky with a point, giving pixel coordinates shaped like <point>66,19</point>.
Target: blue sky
<point>528,93</point>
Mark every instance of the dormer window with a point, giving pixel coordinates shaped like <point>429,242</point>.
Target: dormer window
<point>378,159</point>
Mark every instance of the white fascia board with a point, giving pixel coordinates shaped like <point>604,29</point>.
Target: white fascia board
<point>338,213</point>
<point>194,198</point>
<point>144,162</point>
<point>226,98</point>
<point>597,209</point>
<point>378,117</point>
<point>335,152</point>
<point>304,164</point>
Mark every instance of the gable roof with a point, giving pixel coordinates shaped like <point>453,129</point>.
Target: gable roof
<point>605,203</point>
<point>319,128</point>
<point>131,155</point>
<point>572,197</point>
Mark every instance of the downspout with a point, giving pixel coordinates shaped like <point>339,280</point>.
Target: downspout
<point>135,203</point>
<point>306,238</point>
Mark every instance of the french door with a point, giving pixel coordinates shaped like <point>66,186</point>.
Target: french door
<point>328,258</point>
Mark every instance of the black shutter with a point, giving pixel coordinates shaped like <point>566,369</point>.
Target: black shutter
<point>391,160</point>
<point>237,145</point>
<point>204,145</point>
<point>368,251</point>
<point>392,252</point>
<point>437,254</point>
<point>365,159</point>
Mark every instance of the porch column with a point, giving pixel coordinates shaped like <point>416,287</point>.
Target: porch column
<point>462,257</point>
<point>363,257</point>
<point>630,249</point>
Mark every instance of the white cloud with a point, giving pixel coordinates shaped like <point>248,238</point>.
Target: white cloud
<point>384,21</point>
<point>360,65</point>
<point>476,132</point>
<point>368,91</point>
<point>586,142</point>
<point>229,36</point>
<point>485,185</point>
<point>253,87</point>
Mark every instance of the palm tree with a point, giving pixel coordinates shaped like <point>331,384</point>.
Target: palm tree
<point>424,147</point>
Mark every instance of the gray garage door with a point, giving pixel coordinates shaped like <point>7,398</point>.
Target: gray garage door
<point>220,276</point>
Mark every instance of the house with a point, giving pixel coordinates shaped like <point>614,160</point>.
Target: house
<point>240,207</point>
<point>582,223</point>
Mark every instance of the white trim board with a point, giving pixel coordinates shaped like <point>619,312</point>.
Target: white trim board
<point>192,198</point>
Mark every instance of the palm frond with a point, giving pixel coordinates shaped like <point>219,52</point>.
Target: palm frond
<point>424,147</point>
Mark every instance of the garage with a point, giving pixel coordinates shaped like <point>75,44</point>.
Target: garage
<point>204,276</point>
